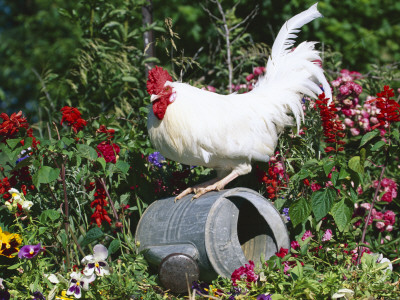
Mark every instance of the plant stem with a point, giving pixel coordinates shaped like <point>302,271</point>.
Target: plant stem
<point>76,242</point>
<point>66,210</point>
<point>109,198</point>
<point>372,206</point>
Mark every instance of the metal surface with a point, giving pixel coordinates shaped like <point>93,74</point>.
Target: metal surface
<point>221,230</point>
<point>177,272</point>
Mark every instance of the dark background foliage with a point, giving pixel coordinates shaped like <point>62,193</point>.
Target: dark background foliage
<point>44,40</point>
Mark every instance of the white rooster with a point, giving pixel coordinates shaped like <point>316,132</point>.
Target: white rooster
<point>227,132</point>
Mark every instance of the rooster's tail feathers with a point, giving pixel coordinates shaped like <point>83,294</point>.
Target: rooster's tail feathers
<point>292,73</point>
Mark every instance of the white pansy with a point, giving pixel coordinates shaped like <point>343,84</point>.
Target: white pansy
<point>97,262</point>
<point>78,282</point>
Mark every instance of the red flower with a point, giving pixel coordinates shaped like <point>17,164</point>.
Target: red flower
<point>72,116</point>
<point>332,126</point>
<point>389,108</point>
<point>108,151</point>
<point>282,252</point>
<point>108,132</point>
<point>100,214</point>
<point>244,273</point>
<point>11,125</point>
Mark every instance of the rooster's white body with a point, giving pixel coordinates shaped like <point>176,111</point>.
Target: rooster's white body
<point>228,132</point>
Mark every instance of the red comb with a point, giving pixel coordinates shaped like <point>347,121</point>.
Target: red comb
<point>156,80</point>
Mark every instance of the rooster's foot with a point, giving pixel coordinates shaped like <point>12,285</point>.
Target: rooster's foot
<point>197,188</point>
<point>211,185</point>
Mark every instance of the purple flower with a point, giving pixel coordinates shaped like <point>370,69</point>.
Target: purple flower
<point>29,251</point>
<point>264,297</point>
<point>286,213</point>
<point>4,295</point>
<point>200,287</point>
<point>38,296</point>
<point>78,282</point>
<point>156,158</point>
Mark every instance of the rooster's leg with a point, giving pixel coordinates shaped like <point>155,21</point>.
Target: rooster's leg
<point>208,186</point>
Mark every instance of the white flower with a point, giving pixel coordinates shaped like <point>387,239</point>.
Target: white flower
<point>1,284</point>
<point>78,282</point>
<point>27,205</point>
<point>343,293</point>
<point>52,278</point>
<point>15,194</point>
<point>96,262</point>
<point>383,260</point>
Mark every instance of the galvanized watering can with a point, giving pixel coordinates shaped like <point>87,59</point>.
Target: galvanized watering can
<point>212,235</point>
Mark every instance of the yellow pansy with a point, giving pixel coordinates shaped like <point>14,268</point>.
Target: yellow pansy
<point>9,243</point>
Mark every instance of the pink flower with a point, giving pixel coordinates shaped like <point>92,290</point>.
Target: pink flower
<point>258,70</point>
<point>389,217</point>
<point>327,235</point>
<point>374,120</point>
<point>355,131</point>
<point>348,122</point>
<point>366,205</point>
<point>344,89</point>
<point>295,245</point>
<point>315,187</point>
<point>282,252</point>
<point>249,77</point>
<point>244,273</point>
<point>211,88</point>
<point>306,235</point>
<point>380,226</point>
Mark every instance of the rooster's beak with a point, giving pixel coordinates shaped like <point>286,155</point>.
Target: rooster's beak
<point>154,98</point>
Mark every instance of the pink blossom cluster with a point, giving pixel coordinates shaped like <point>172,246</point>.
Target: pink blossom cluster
<point>388,187</point>
<point>251,80</point>
<point>244,273</point>
<point>384,221</point>
<point>358,119</point>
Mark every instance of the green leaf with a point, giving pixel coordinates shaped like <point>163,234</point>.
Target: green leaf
<point>67,141</point>
<point>297,271</point>
<point>123,166</point>
<point>355,164</point>
<point>13,142</point>
<point>378,146</point>
<point>87,151</point>
<point>13,267</point>
<point>130,79</point>
<point>341,213</point>
<point>45,174</point>
<point>102,162</point>
<point>368,136</point>
<point>114,246</point>
<point>42,230</point>
<point>49,214</point>
<point>396,134</point>
<point>92,235</point>
<point>328,166</point>
<point>343,173</point>
<point>321,202</point>
<point>299,211</point>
